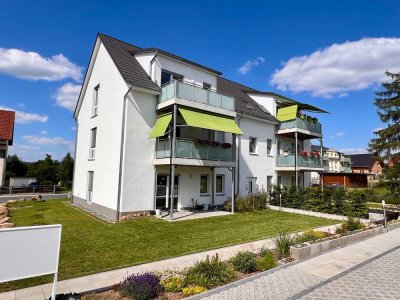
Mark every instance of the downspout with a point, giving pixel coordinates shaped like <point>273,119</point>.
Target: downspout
<point>121,154</point>
<point>238,158</point>
<point>76,146</point>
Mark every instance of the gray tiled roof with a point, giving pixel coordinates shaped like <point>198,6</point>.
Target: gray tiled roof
<point>243,102</point>
<point>123,56</point>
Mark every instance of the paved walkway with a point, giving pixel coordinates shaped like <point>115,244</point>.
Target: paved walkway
<point>317,278</point>
<point>108,279</point>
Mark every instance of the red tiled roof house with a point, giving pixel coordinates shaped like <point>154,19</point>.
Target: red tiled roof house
<point>7,119</point>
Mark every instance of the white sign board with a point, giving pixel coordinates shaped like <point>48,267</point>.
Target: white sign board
<point>29,252</point>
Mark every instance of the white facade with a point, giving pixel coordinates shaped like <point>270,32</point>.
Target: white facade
<point>118,172</point>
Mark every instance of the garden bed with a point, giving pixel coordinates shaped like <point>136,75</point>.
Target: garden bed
<point>308,249</point>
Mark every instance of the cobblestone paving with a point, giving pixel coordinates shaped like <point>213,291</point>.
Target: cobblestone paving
<point>375,280</point>
<point>278,285</point>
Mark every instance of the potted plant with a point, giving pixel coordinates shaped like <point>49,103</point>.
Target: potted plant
<point>226,146</point>
<point>304,153</point>
<point>309,119</point>
<point>215,144</point>
<point>315,120</point>
<point>303,117</point>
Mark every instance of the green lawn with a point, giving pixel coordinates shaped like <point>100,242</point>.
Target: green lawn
<point>90,245</point>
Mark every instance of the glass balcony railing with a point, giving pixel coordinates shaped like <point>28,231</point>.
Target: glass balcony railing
<point>178,89</point>
<point>345,169</point>
<point>301,124</point>
<point>302,162</point>
<point>192,150</point>
<point>345,159</point>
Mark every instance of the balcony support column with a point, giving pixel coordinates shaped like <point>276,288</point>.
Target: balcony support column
<point>213,185</point>
<point>172,166</point>
<point>295,160</point>
<point>322,163</point>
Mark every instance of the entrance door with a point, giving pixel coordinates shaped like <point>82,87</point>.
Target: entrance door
<point>162,195</point>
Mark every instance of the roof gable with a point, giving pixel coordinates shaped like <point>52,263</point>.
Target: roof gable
<point>7,119</point>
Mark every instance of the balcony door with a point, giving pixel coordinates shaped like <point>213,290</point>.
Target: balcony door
<point>162,195</point>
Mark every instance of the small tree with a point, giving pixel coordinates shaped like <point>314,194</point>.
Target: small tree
<point>15,167</point>
<point>66,170</point>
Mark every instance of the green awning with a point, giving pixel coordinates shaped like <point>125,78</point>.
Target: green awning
<point>206,121</point>
<point>161,126</point>
<point>287,113</point>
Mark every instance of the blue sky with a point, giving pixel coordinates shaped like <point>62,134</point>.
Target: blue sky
<point>332,54</point>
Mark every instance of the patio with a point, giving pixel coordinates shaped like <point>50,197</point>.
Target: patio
<point>184,215</point>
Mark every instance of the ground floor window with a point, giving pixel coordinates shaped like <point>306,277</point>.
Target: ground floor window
<point>203,184</point>
<point>279,180</point>
<point>252,185</point>
<point>90,187</point>
<point>220,184</point>
<point>269,183</point>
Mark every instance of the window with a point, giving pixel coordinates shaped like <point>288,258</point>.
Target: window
<point>269,147</point>
<point>279,180</point>
<point>219,137</point>
<point>278,146</point>
<point>95,105</point>
<point>269,183</point>
<point>293,148</point>
<point>167,76</point>
<point>252,145</point>
<point>90,186</point>
<point>220,184</point>
<point>93,137</point>
<point>2,153</point>
<point>203,184</point>
<point>252,185</point>
<point>206,86</point>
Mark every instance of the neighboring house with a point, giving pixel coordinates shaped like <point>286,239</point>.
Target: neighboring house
<point>22,181</point>
<point>333,161</point>
<point>365,164</point>
<point>7,119</point>
<point>148,120</point>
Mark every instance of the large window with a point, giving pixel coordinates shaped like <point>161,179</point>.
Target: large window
<point>269,147</point>
<point>95,105</point>
<point>253,145</point>
<point>219,137</point>
<point>204,184</point>
<point>93,137</point>
<point>167,76</point>
<point>2,153</point>
<point>220,184</point>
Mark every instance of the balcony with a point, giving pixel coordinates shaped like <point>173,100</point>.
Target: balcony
<point>345,159</point>
<point>345,170</point>
<point>193,93</point>
<point>298,123</point>
<point>287,162</point>
<point>189,152</point>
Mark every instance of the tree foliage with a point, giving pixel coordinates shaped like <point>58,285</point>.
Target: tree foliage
<point>386,144</point>
<point>47,171</point>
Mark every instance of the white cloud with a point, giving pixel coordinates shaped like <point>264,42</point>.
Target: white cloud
<point>249,64</point>
<point>67,95</point>
<point>43,132</point>
<point>354,150</point>
<point>73,128</point>
<point>33,66</point>
<point>22,105</point>
<point>338,134</point>
<point>378,129</point>
<point>45,141</point>
<point>22,117</point>
<point>340,68</point>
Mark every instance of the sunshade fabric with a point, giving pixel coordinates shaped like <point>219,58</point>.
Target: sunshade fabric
<point>161,126</point>
<point>287,113</point>
<point>206,121</point>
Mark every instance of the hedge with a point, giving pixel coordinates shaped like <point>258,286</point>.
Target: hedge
<point>351,203</point>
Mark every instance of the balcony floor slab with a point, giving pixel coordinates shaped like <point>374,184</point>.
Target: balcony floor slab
<point>194,162</point>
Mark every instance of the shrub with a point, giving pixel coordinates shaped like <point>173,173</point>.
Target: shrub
<point>282,244</point>
<point>351,224</point>
<point>173,284</point>
<point>310,235</point>
<point>266,261</point>
<point>141,287</point>
<point>251,202</point>
<point>102,296</point>
<point>356,205</point>
<point>193,290</point>
<point>244,262</point>
<point>210,273</point>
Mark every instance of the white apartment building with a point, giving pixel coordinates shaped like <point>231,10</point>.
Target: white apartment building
<point>333,162</point>
<point>148,120</point>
